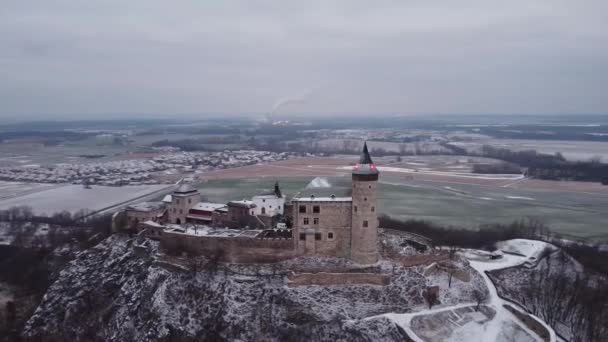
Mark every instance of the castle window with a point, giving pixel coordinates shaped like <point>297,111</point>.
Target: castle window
<point>177,201</point>
<point>316,209</point>
<point>370,186</point>
<point>365,199</point>
<point>330,236</point>
<point>174,209</point>
<point>355,208</point>
<point>373,209</point>
<point>315,220</point>
<point>306,221</point>
<point>302,236</point>
<point>263,210</point>
<point>189,201</point>
<point>181,211</point>
<point>263,200</point>
<point>303,209</point>
<point>365,224</point>
<point>317,236</point>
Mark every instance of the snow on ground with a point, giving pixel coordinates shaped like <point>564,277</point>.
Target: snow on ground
<point>531,249</point>
<point>503,326</point>
<point>521,198</point>
<point>444,173</point>
<point>75,197</point>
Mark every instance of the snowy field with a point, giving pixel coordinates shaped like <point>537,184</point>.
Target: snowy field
<point>49,200</point>
<point>14,189</point>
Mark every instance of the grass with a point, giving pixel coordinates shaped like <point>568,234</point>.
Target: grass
<point>466,206</point>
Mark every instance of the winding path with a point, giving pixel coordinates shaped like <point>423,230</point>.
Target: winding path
<point>491,330</point>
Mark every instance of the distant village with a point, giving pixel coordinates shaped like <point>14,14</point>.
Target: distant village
<point>137,171</point>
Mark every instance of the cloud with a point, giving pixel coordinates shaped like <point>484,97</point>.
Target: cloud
<point>70,58</point>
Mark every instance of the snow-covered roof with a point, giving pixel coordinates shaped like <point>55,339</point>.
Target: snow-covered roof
<point>207,206</point>
<point>153,224</point>
<point>203,230</point>
<point>242,203</point>
<point>184,189</point>
<point>322,199</point>
<point>273,196</point>
<point>168,199</point>
<point>146,206</point>
<point>199,217</point>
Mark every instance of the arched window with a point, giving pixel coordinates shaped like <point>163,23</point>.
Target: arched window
<point>263,210</point>
<point>365,224</point>
<point>373,209</point>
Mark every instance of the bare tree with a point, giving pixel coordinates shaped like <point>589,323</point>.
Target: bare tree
<point>480,297</point>
<point>452,252</point>
<point>431,297</point>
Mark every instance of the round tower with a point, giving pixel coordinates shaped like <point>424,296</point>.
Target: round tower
<point>364,229</point>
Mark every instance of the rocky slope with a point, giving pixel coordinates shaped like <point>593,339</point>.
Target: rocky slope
<point>115,292</point>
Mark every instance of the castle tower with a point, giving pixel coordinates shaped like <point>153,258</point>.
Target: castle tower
<point>182,200</point>
<point>364,218</point>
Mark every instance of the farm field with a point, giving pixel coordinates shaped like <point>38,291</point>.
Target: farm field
<point>571,150</point>
<point>49,200</point>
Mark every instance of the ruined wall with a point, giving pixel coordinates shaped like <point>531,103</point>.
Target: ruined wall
<point>304,279</point>
<point>330,236</point>
<point>135,217</point>
<point>229,249</point>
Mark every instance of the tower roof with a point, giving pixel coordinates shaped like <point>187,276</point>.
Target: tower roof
<point>277,190</point>
<point>365,157</point>
<point>366,165</point>
<point>184,189</point>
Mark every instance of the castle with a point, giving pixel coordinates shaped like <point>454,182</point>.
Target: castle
<point>316,222</point>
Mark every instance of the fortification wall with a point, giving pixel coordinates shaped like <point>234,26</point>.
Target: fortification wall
<point>229,249</point>
<point>322,278</point>
<point>420,259</point>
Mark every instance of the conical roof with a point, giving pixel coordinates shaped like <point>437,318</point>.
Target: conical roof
<point>366,165</point>
<point>277,190</point>
<point>365,157</point>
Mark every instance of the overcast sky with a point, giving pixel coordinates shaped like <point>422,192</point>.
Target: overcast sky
<point>86,58</point>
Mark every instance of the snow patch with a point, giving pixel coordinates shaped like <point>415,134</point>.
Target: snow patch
<point>318,182</point>
<point>521,198</point>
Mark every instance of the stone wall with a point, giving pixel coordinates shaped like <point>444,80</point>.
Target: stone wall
<point>330,236</point>
<point>229,249</point>
<point>364,219</point>
<point>322,278</point>
<point>421,259</point>
<point>180,205</point>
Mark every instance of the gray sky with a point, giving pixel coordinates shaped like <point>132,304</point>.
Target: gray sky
<point>85,58</point>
